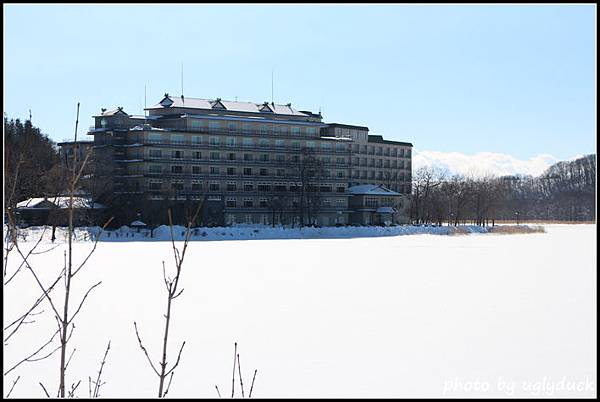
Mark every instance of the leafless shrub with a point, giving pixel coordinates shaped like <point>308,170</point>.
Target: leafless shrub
<point>171,285</point>
<point>505,229</point>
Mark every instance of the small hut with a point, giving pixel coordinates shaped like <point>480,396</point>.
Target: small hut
<point>138,224</point>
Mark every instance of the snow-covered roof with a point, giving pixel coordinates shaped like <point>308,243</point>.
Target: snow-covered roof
<point>59,202</point>
<point>234,106</point>
<point>371,189</point>
<point>138,223</point>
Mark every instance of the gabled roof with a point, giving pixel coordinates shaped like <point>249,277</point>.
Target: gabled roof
<point>58,202</point>
<point>371,189</point>
<point>217,104</point>
<point>114,112</point>
<point>232,106</point>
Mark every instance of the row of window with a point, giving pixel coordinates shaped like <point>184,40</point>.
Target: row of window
<point>157,185</point>
<point>381,175</point>
<point>159,138</point>
<point>234,171</point>
<point>232,156</point>
<point>251,128</point>
<point>381,151</point>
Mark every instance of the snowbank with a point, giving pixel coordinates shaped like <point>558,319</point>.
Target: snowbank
<point>244,232</point>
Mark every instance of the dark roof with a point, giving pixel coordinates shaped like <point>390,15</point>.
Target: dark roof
<point>348,126</point>
<point>379,139</point>
<point>84,142</point>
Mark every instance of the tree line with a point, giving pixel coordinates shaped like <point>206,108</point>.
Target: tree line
<point>566,191</point>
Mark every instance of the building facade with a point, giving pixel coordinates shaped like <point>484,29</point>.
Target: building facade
<point>250,163</point>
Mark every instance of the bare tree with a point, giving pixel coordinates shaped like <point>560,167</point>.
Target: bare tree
<point>171,286</point>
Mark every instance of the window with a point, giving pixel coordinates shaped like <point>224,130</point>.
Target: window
<point>262,202</point>
<point>247,171</point>
<point>247,157</point>
<point>340,147</point>
<point>263,172</point>
<point>155,185</point>
<point>177,139</point>
<point>264,129</point>
<point>279,187</point>
<point>296,130</point>
<point>248,202</point>
<point>155,168</point>
<point>340,202</point>
<point>155,153</point>
<point>263,187</point>
<point>310,144</point>
<point>279,143</point>
<point>231,186</point>
<point>230,141</point>
<point>264,157</point>
<point>196,170</point>
<point>197,155</point>
<point>325,146</point>
<point>214,186</point>
<point>231,171</point>
<point>214,155</point>
<point>248,142</point>
<point>230,203</point>
<point>311,130</point>
<point>177,185</point>
<point>155,137</point>
<point>214,125</point>
<point>280,158</point>
<point>263,142</point>
<point>214,170</point>
<point>340,174</point>
<point>248,187</point>
<point>280,172</point>
<point>231,156</point>
<point>213,140</point>
<point>247,128</point>
<point>196,139</point>
<point>232,127</point>
<point>196,186</point>
<point>325,189</point>
<point>176,169</point>
<point>340,161</point>
<point>340,189</point>
<point>177,154</point>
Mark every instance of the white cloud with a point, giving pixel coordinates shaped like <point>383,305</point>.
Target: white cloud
<point>483,163</point>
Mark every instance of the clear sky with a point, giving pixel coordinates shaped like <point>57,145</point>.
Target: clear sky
<point>518,80</point>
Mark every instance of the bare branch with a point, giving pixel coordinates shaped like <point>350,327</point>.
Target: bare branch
<point>13,386</point>
<point>70,357</point>
<point>44,388</point>
<point>178,358</point>
<point>144,349</point>
<point>29,358</point>
<point>83,300</point>
<point>240,375</point>
<point>233,375</point>
<point>73,388</point>
<point>98,383</point>
<point>252,386</point>
<point>168,385</point>
<point>93,248</point>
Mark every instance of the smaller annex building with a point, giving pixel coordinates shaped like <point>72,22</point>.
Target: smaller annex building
<point>372,204</point>
<point>54,211</point>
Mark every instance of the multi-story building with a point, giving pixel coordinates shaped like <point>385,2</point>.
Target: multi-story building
<point>252,163</point>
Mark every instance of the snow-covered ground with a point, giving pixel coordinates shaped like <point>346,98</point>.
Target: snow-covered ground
<point>394,316</point>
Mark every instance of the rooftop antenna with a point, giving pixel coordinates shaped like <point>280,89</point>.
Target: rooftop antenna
<point>182,81</point>
<point>272,88</point>
<point>145,104</point>
<point>30,115</point>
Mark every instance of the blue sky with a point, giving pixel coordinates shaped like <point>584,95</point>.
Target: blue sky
<point>518,80</point>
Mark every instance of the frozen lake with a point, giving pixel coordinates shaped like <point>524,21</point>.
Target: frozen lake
<point>404,316</point>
